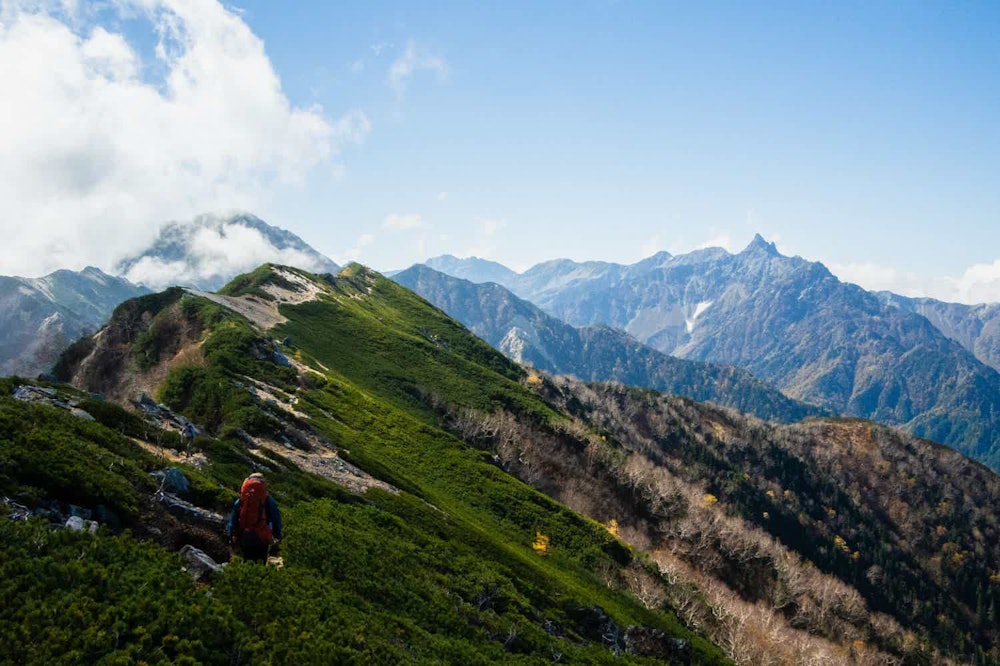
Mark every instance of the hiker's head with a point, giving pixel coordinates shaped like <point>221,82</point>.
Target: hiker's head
<point>256,477</point>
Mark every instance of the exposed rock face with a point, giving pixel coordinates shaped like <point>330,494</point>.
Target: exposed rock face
<point>189,512</point>
<point>172,480</point>
<point>793,324</point>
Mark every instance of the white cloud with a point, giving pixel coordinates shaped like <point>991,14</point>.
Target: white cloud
<point>355,253</point>
<point>723,240</point>
<point>980,283</point>
<point>403,221</point>
<point>442,196</point>
<point>485,241</point>
<point>95,150</point>
<point>652,245</point>
<point>414,59</point>
<point>218,252</point>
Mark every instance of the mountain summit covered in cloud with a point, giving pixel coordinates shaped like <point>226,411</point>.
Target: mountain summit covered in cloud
<point>208,251</point>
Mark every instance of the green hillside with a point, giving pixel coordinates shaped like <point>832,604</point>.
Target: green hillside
<point>465,564</point>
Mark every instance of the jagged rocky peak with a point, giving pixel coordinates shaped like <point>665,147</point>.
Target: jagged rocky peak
<point>760,245</point>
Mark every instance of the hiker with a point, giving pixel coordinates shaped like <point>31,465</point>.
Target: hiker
<point>188,433</point>
<point>254,522</point>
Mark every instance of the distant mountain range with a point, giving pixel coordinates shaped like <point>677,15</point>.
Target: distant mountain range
<point>39,317</point>
<point>784,320</point>
<point>527,335</point>
<point>975,327</point>
<point>788,321</point>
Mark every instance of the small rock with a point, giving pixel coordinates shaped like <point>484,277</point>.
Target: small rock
<point>80,414</point>
<point>593,624</point>
<point>199,564</point>
<point>78,524</point>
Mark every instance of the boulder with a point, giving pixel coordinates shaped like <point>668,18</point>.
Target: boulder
<point>189,512</point>
<point>655,644</point>
<point>199,564</point>
<point>78,524</point>
<point>81,414</point>
<point>172,480</point>
<point>593,624</point>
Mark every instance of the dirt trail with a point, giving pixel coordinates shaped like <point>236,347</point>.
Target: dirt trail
<point>264,313</point>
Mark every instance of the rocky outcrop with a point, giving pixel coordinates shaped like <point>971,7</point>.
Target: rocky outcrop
<point>199,564</point>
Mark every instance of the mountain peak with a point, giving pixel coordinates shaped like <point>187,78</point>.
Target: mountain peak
<point>759,245</point>
<point>208,251</point>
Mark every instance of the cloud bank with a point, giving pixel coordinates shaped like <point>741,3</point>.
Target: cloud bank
<point>980,283</point>
<point>98,144</point>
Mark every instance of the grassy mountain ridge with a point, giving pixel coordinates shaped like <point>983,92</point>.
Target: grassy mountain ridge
<point>448,569</point>
<point>741,531</point>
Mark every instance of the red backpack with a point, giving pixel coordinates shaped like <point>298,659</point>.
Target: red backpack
<point>253,496</point>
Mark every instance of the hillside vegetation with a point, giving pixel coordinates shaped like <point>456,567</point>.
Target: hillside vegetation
<point>456,561</point>
<point>825,542</point>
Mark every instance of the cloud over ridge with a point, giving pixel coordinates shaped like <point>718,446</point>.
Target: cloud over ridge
<point>94,149</point>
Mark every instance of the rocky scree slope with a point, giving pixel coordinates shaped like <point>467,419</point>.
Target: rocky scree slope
<point>40,317</point>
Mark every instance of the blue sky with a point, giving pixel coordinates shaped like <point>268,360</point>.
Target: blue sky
<point>865,135</point>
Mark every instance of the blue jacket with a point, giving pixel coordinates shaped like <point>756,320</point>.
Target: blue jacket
<point>271,515</point>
